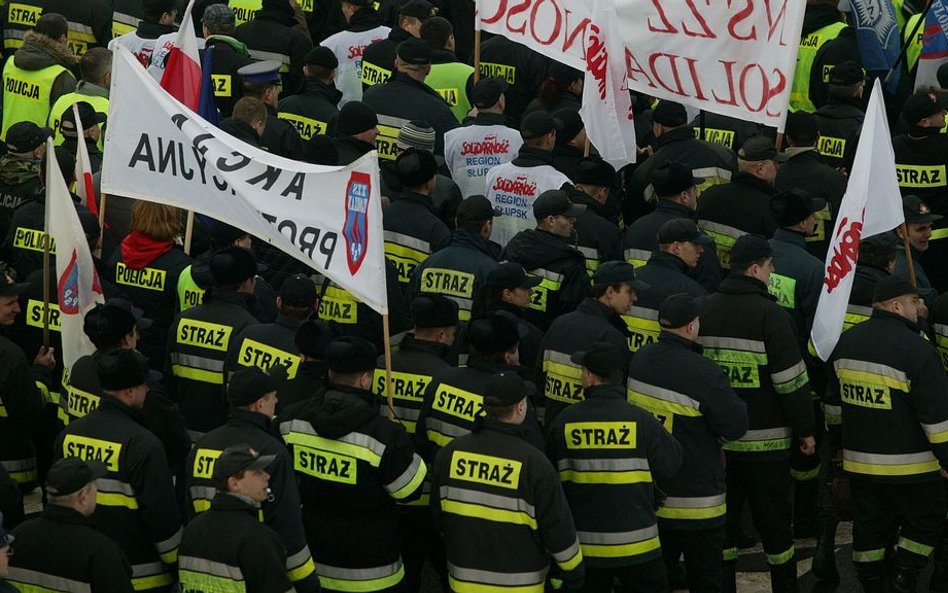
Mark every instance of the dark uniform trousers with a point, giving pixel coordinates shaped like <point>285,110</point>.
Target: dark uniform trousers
<point>702,551</point>
<point>765,486</point>
<point>648,577</point>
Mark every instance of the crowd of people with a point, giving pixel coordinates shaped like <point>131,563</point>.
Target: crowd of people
<point>599,380</point>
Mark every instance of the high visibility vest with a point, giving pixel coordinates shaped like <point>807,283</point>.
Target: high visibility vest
<point>244,9</point>
<point>806,55</point>
<point>100,104</point>
<point>450,81</point>
<point>913,47</point>
<point>26,94</point>
<point>189,293</point>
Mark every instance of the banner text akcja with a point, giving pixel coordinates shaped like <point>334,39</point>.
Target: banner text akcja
<point>734,58</point>
<point>326,217</point>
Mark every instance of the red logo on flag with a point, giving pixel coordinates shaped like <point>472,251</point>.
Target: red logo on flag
<point>845,253</point>
<point>597,59</point>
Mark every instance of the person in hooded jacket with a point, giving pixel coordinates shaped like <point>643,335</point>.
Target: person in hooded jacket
<point>270,36</point>
<point>598,238</point>
<point>835,52</point>
<point>548,252</point>
<point>353,466</point>
<point>20,168</point>
<point>314,109</point>
<point>822,22</point>
<point>452,78</point>
<point>230,55</point>
<point>146,269</point>
<point>364,27</point>
<point>378,61</point>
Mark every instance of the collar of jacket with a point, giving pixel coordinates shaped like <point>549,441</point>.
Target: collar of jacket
<point>398,35</point>
<point>479,364</point>
<point>919,133</point>
<point>841,107</point>
<point>680,210</point>
<point>802,151</point>
<point>60,514</point>
<point>404,78</point>
<point>533,157</point>
<point>240,299</point>
<point>741,284</point>
<point>240,417</point>
<point>109,402</point>
<point>364,19</point>
<point>610,391</point>
<point>229,501</point>
<point>594,307</point>
<point>677,341</point>
<point>489,119</point>
<point>484,423</point>
<point>461,236</point>
<point>313,87</point>
<point>791,237</point>
<point>90,89</point>
<point>149,30</point>
<point>510,308</point>
<point>889,317</point>
<point>669,261</point>
<point>39,51</point>
<point>443,56</point>
<point>578,196</point>
<point>414,197</point>
<point>746,179</point>
<point>288,322</point>
<point>412,344</point>
<point>227,41</point>
<point>355,143</point>
<point>679,134</point>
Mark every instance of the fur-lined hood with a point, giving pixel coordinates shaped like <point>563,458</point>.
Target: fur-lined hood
<point>39,51</point>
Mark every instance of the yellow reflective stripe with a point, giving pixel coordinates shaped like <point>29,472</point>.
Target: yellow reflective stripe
<point>915,547</point>
<point>902,469</point>
<point>805,476</point>
<point>307,127</point>
<point>869,555</point>
<point>478,511</point>
<point>605,477</point>
<point>465,587</point>
<point>442,440</point>
<point>186,372</point>
<point>620,550</point>
<point>152,582</point>
<point>573,562</point>
<point>301,572</point>
<point>413,484</point>
<point>667,512</point>
<point>169,557</point>
<point>871,378</point>
<point>939,234</point>
<point>365,586</point>
<point>781,558</point>
<point>920,176</point>
<point>334,446</point>
<point>116,499</point>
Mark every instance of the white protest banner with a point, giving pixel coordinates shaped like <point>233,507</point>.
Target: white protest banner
<point>732,58</point>
<point>327,217</point>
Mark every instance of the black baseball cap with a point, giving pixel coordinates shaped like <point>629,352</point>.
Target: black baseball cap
<point>497,332</point>
<point>248,385</point>
<point>434,310</point>
<point>917,211</point>
<point>506,388</point>
<point>349,355</point>
<point>750,248</point>
<point>615,272</point>
<point>538,123</point>
<point>88,117</point>
<point>670,114</point>
<point>892,287</point>
<point>414,51</point>
<point>511,275</point>
<point>476,208</point>
<point>791,207</point>
<point>239,458</point>
<point>883,244</point>
<point>682,229</point>
<point>847,73</point>
<point>313,338</point>
<point>122,369</point>
<point>106,324</point>
<point>572,124</point>
<point>602,358</point>
<point>298,290</point>
<point>487,92</point>
<point>760,148</point>
<point>415,167</point>
<point>321,56</point>
<point>555,202</point>
<point>592,170</point>
<point>72,474</point>
<point>420,9</point>
<point>678,310</point>
<point>916,107</point>
<point>672,177</point>
<point>8,284</point>
<point>25,136</point>
<point>232,265</point>
<point>223,234</point>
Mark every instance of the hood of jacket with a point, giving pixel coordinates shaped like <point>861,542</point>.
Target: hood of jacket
<point>39,51</point>
<point>534,248</point>
<point>342,410</point>
<point>139,250</point>
<point>740,284</point>
<point>365,19</point>
<point>465,238</point>
<point>16,170</point>
<point>533,157</point>
<point>236,45</point>
<point>313,87</point>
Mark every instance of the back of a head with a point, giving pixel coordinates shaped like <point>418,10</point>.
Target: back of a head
<point>67,164</point>
<point>802,129</point>
<point>96,65</point>
<point>219,19</point>
<point>437,31</point>
<point>158,221</point>
<point>249,110</point>
<point>52,25</point>
<point>152,10</point>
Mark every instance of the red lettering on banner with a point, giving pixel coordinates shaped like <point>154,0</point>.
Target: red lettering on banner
<point>707,34</point>
<point>661,13</point>
<point>519,8</point>
<point>742,15</point>
<point>773,22</point>
<point>501,10</point>
<point>597,59</point>
<point>845,255</point>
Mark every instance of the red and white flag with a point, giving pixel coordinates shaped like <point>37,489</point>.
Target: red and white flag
<point>85,188</point>
<point>77,282</point>
<point>182,74</point>
<point>871,205</point>
<point>607,106</point>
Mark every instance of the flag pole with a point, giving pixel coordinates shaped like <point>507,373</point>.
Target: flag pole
<point>907,41</point>
<point>102,200</point>
<point>587,147</point>
<point>189,232</point>
<point>386,336</point>
<point>46,238</point>
<point>908,255</point>
<point>477,41</point>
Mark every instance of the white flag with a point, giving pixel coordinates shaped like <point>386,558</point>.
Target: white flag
<point>871,205</point>
<point>85,187</point>
<point>607,106</point>
<point>77,282</point>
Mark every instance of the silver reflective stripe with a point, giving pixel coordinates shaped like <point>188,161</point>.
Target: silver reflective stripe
<point>492,500</point>
<point>663,394</point>
<point>14,34</point>
<point>559,357</point>
<point>547,274</point>
<point>218,569</point>
<point>81,28</point>
<point>711,173</point>
<point>298,558</point>
<point>171,543</point>
<point>588,252</point>
<point>883,459</point>
<point>407,476</point>
<point>403,413</point>
<point>22,576</point>
<point>445,428</point>
<point>358,574</point>
<point>642,254</point>
<point>935,428</point>
<point>871,367</point>
<point>643,313</point>
<point>695,502</point>
<point>301,426</point>
<point>463,303</point>
<point>867,312</point>
<point>500,579</point>
<point>618,537</point>
<point>833,410</point>
<point>147,569</point>
<point>197,362</point>
<point>941,330</point>
<point>110,485</point>
<point>733,343</point>
<point>392,122</point>
<point>568,553</point>
<point>788,374</point>
<point>603,465</point>
<point>202,492</point>
<point>260,55</point>
<point>125,19</point>
<point>407,241</point>
<point>767,433</point>
<point>18,465</point>
<point>720,229</point>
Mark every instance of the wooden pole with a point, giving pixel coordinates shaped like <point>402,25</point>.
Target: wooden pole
<point>477,53</point>
<point>908,255</point>
<point>189,232</point>
<point>102,200</point>
<point>587,147</point>
<point>779,143</point>
<point>386,336</point>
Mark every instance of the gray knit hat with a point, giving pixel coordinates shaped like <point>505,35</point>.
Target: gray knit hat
<point>416,134</point>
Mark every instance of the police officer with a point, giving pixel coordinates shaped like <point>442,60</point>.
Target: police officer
<point>460,269</point>
<point>515,186</point>
<point>353,465</point>
<point>314,109</point>
<point>364,27</point>
<point>742,206</point>
<point>523,68</point>
<point>598,238</point>
<point>840,119</point>
<point>201,336</point>
<point>452,78</point>
<point>752,338</point>
<point>378,61</point>
<point>356,131</point>
<point>804,169</point>
<point>622,544</point>
<point>38,74</point>
<point>270,36</point>
<point>227,547</point>
<point>312,339</point>
<point>885,379</point>
<point>135,501</point>
<point>20,178</point>
<point>834,53</point>
<point>693,400</point>
<point>412,230</point>
<point>680,246</point>
<point>483,142</point>
<point>919,219</point>
<point>252,399</point>
<point>596,319</point>
<point>62,544</point>
<point>218,24</point>
<point>96,70</point>
<point>405,97</point>
<point>491,469</point>
<point>24,391</point>
<point>262,81</point>
<point>157,19</point>
<point>547,251</point>
<point>821,22</point>
<point>920,157</point>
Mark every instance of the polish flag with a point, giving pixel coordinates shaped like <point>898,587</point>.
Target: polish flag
<point>85,189</point>
<point>182,74</point>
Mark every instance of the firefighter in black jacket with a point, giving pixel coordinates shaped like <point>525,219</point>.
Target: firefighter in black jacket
<point>500,506</point>
<point>680,247</point>
<point>548,252</point>
<point>354,465</point>
<point>314,109</point>
<point>136,503</point>
<point>252,397</point>
<point>752,339</point>
<point>218,23</point>
<point>378,61</point>
<point>62,543</point>
<point>596,319</point>
<point>273,35</point>
<point>312,339</point>
<point>694,401</point>
<point>199,339</point>
<point>598,237</point>
<point>609,453</point>
<point>227,548</point>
